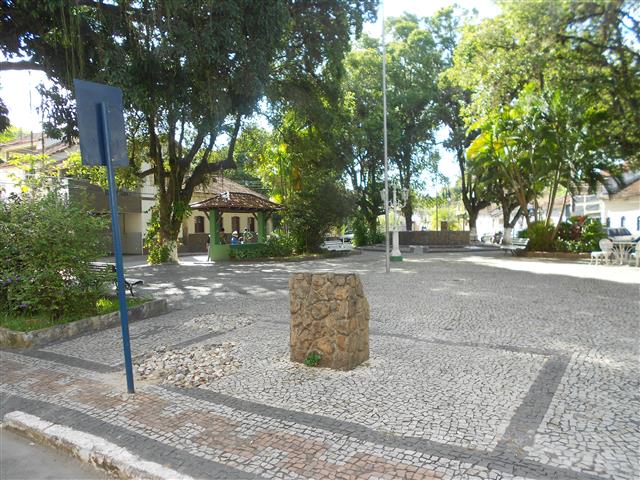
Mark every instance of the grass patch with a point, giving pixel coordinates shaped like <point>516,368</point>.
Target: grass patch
<point>28,323</point>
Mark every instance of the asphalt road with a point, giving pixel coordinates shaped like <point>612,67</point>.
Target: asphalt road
<point>21,458</point>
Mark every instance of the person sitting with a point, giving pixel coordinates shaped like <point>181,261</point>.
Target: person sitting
<point>234,238</point>
<point>247,236</point>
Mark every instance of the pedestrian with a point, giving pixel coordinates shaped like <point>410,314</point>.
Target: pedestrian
<point>234,238</point>
<point>223,240</point>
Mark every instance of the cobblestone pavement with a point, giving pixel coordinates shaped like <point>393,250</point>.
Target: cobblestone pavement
<point>481,367</point>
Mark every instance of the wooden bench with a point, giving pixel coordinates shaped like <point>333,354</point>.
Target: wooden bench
<point>109,269</point>
<point>516,246</point>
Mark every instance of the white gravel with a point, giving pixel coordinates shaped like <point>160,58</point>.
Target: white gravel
<point>189,367</point>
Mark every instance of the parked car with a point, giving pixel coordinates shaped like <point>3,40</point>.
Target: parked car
<point>348,236</point>
<point>619,234</point>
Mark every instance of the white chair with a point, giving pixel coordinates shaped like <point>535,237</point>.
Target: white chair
<point>606,249</point>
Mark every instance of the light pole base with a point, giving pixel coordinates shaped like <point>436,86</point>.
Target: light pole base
<point>396,256</point>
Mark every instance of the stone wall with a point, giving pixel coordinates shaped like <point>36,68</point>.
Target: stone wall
<point>329,316</point>
<point>433,237</point>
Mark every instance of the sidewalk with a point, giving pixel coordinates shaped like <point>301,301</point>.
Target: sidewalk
<point>480,368</point>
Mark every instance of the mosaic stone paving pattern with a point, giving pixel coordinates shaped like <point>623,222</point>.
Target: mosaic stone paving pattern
<point>476,372</point>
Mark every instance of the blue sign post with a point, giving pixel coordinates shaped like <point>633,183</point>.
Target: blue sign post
<point>102,142</point>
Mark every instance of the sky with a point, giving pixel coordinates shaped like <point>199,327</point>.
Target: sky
<point>18,88</point>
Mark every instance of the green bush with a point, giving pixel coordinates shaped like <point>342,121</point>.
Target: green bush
<point>540,237</point>
<point>46,244</point>
<point>363,235</point>
<point>278,245</point>
<point>312,212</point>
<point>157,251</point>
<point>580,234</point>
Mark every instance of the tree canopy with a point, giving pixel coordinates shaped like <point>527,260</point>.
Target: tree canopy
<point>190,70</point>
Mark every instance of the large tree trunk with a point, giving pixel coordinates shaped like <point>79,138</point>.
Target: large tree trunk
<point>473,218</point>
<point>177,184</point>
<point>408,215</point>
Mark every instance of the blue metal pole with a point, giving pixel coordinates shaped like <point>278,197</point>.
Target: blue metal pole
<point>115,225</point>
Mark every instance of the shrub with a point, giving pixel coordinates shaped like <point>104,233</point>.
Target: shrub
<point>157,251</point>
<point>363,235</point>
<point>580,234</point>
<point>313,211</point>
<point>46,244</point>
<point>540,237</point>
<point>278,245</point>
<point>312,359</point>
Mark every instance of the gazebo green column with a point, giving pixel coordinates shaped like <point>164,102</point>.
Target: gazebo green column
<point>214,231</point>
<point>217,251</point>
<point>262,227</point>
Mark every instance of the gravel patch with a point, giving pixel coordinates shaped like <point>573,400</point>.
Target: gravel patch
<point>191,366</point>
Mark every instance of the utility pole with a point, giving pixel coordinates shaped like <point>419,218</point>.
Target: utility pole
<point>386,161</point>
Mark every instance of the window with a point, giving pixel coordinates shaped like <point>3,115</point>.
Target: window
<point>638,224</point>
<point>251,224</point>
<point>622,220</point>
<point>235,224</point>
<point>199,221</point>
<point>608,222</point>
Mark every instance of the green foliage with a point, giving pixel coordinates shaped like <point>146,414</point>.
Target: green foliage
<point>579,235</point>
<point>4,118</point>
<point>190,71</point>
<point>277,245</point>
<point>413,66</point>
<point>312,211</point>
<point>545,83</point>
<point>540,237</point>
<point>125,177</point>
<point>46,244</point>
<point>157,251</point>
<point>10,133</point>
<point>312,359</point>
<point>28,322</point>
<point>363,234</point>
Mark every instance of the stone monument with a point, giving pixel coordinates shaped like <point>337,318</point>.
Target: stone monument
<point>329,317</point>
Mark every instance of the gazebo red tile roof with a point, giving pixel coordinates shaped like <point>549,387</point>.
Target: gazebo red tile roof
<point>237,202</point>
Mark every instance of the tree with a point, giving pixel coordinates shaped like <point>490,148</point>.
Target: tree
<point>452,100</point>
<point>190,71</point>
<point>413,67</point>
<point>533,103</point>
<point>362,144</point>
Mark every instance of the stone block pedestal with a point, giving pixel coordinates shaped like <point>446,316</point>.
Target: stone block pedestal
<point>329,316</point>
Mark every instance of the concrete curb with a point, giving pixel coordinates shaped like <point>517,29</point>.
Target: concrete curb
<point>89,448</point>
<point>35,338</point>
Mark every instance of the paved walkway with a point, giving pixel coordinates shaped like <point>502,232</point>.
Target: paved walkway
<point>481,367</point>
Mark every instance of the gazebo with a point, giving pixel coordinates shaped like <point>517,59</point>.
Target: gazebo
<point>236,202</point>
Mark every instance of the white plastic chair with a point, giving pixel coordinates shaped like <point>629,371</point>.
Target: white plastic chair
<point>606,249</point>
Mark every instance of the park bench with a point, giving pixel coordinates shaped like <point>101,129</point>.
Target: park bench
<point>516,246</point>
<point>109,269</point>
<point>333,244</point>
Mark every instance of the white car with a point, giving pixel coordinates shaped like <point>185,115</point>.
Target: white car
<point>619,234</point>
<point>348,236</point>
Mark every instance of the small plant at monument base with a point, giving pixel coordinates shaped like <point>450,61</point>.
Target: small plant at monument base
<point>313,359</point>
